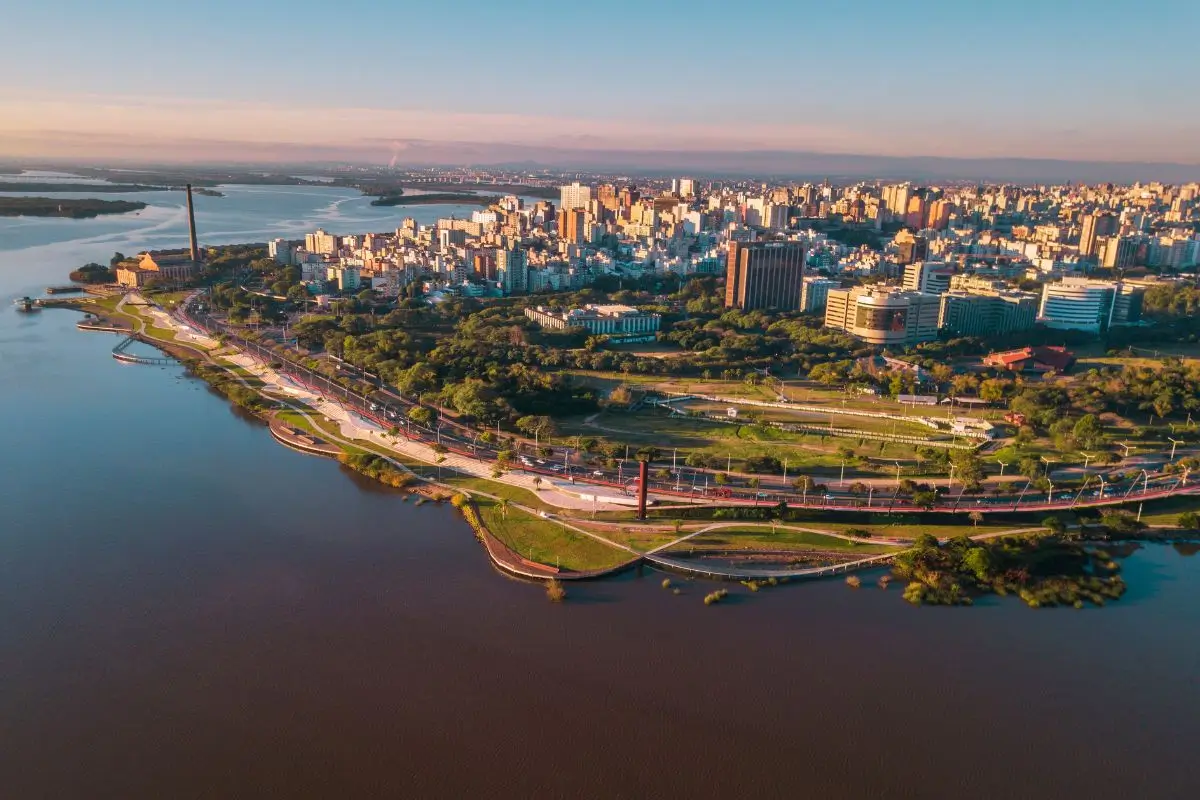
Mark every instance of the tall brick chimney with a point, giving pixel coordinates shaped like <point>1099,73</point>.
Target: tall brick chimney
<point>192,225</point>
<point>643,486</point>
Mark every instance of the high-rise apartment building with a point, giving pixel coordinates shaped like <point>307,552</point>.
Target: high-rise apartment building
<point>883,315</point>
<point>320,242</point>
<point>928,277</point>
<point>764,275</point>
<point>684,187</point>
<point>910,247</point>
<point>575,226</point>
<point>1121,252</point>
<point>1092,228</point>
<point>814,292</point>
<point>574,196</point>
<point>512,271</point>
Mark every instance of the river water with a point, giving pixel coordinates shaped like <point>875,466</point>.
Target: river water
<point>188,609</point>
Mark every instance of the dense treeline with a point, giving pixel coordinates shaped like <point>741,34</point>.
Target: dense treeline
<point>57,207</point>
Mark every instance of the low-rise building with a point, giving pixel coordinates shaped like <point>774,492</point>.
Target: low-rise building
<point>618,321</point>
<point>1032,359</point>
<point>162,266</point>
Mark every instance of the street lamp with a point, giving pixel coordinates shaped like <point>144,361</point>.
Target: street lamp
<point>1174,443</point>
<point>842,479</point>
<point>1002,464</point>
<point>1126,446</point>
<point>1086,458</point>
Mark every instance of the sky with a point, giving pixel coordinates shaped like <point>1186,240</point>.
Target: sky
<point>1102,80</point>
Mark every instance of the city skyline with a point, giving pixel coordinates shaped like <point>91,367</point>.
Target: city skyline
<point>930,81</point>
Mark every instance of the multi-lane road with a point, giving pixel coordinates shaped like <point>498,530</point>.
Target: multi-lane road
<point>389,408</point>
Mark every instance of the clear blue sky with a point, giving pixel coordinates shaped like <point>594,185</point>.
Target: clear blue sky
<point>899,77</point>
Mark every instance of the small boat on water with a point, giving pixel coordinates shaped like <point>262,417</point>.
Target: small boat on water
<point>63,289</point>
<point>27,305</point>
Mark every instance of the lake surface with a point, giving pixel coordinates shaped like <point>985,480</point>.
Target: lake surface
<point>188,609</point>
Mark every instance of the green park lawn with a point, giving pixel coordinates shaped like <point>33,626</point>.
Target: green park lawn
<point>547,542</point>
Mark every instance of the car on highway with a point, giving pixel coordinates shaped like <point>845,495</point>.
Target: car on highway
<point>598,473</point>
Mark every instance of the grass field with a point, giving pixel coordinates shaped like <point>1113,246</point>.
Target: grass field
<point>722,441</point>
<point>547,542</point>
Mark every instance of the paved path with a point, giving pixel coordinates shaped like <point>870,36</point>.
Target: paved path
<point>721,525</point>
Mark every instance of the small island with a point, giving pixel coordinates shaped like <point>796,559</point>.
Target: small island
<point>71,209</point>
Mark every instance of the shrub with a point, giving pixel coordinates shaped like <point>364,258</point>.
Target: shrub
<point>555,591</point>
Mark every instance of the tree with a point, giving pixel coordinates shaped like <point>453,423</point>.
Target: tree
<point>803,483</point>
<point>1088,431</point>
<point>976,517</point>
<point>423,415</point>
<point>979,561</point>
<point>1120,523</point>
<point>1189,520</point>
<point>721,478</point>
<point>503,504</point>
<point>537,483</point>
<point>1055,525</point>
<point>925,498</point>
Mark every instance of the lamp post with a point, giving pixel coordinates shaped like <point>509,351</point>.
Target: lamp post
<point>842,478</point>
<point>1174,444</point>
<point>1086,458</point>
<point>1002,464</point>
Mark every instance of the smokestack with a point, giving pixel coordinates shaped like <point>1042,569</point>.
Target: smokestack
<point>192,225</point>
<point>643,480</point>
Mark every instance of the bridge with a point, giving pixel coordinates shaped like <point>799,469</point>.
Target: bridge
<point>730,573</point>
<point>120,354</point>
<point>722,572</point>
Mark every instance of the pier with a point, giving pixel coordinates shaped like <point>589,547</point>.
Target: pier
<point>120,354</point>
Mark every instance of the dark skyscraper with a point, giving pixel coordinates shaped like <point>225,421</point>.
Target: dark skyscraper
<point>764,275</point>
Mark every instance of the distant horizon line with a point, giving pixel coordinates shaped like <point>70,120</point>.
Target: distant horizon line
<point>726,162</point>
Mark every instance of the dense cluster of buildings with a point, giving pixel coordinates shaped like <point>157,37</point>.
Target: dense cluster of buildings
<point>890,264</point>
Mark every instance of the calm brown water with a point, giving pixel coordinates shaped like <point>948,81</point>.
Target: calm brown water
<point>189,610</point>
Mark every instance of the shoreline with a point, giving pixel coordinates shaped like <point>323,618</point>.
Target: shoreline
<point>503,557</point>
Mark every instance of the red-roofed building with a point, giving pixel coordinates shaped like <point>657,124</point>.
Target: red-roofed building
<point>1032,359</point>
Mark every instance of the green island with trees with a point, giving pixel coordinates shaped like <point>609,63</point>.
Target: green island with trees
<point>58,207</point>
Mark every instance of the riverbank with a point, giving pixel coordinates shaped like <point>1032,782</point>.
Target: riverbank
<point>576,547</point>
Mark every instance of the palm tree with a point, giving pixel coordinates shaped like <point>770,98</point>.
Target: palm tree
<point>537,483</point>
<point>503,505</point>
<point>678,527</point>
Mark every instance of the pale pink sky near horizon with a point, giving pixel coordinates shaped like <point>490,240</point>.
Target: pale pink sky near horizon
<point>46,125</point>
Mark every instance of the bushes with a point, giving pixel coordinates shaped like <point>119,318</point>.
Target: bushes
<point>555,591</point>
<point>379,468</point>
